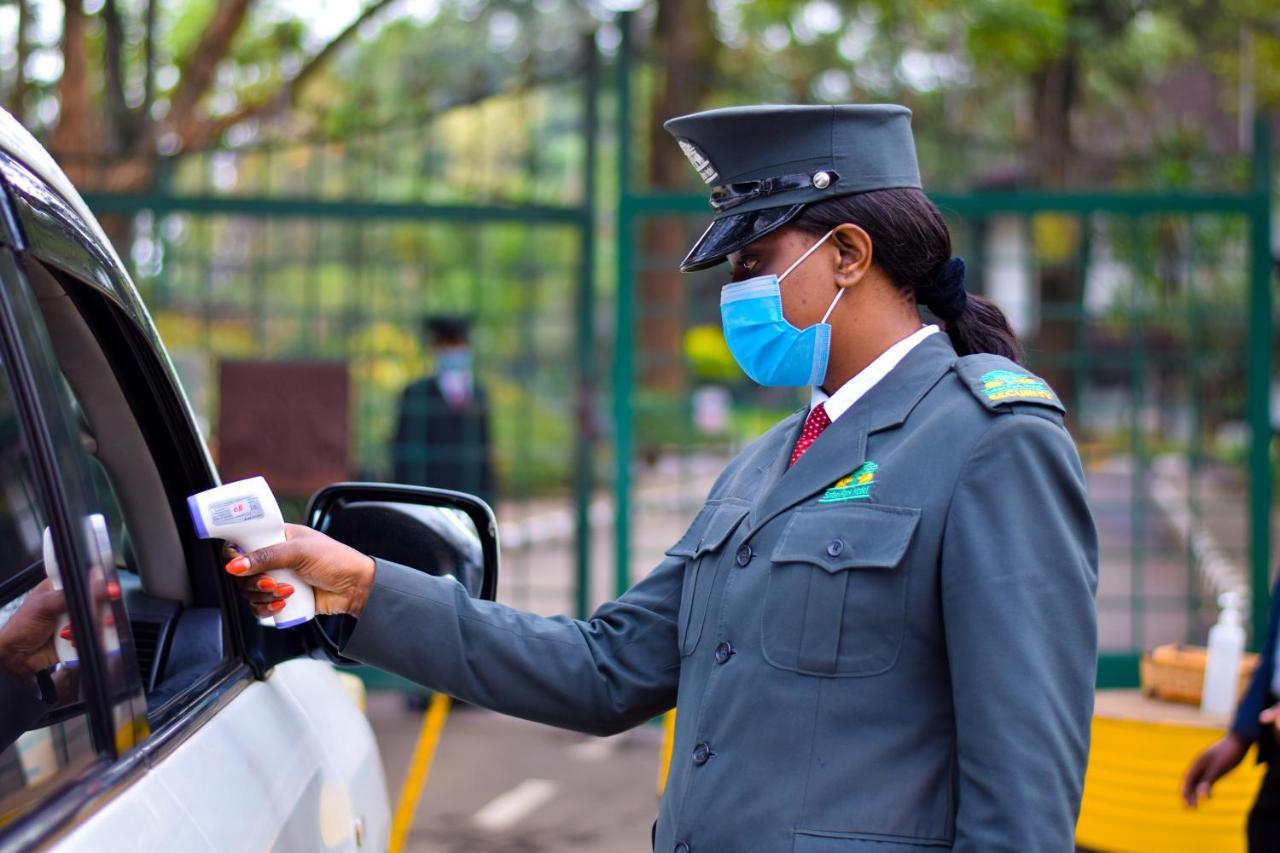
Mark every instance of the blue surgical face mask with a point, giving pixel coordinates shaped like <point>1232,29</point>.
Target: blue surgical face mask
<point>453,360</point>
<point>766,346</point>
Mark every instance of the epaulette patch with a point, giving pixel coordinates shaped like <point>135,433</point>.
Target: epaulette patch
<point>1002,385</point>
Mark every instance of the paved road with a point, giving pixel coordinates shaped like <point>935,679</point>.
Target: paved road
<point>500,785</point>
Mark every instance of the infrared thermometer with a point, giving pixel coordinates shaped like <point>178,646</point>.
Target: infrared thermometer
<point>100,538</point>
<point>245,513</point>
<point>66,651</point>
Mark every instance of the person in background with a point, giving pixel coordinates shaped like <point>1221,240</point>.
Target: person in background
<point>1256,722</point>
<point>442,429</point>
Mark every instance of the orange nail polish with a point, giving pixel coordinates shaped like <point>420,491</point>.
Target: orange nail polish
<point>266,584</point>
<point>238,566</point>
<point>113,590</point>
<point>277,605</point>
<point>284,590</point>
<point>65,633</point>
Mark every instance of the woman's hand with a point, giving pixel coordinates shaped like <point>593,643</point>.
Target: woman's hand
<point>340,576</point>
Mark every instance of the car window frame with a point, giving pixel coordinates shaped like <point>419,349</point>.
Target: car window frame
<point>113,770</point>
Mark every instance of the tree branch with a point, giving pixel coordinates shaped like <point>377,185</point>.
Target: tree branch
<point>204,132</point>
<point>197,71</point>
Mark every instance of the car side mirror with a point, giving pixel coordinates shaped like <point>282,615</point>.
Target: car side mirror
<point>435,531</point>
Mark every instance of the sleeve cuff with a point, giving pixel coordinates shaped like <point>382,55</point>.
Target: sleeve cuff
<point>394,606</point>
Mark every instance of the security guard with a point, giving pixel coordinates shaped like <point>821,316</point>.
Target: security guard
<point>881,626</point>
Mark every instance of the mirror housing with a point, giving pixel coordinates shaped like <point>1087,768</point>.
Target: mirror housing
<point>436,531</point>
<point>410,525</point>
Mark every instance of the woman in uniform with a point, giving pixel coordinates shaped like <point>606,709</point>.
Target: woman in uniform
<point>881,626</point>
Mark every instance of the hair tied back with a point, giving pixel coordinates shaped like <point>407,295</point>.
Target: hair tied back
<point>947,298</point>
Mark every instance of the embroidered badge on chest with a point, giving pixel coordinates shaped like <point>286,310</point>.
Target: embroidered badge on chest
<point>855,487</point>
<point>1009,385</point>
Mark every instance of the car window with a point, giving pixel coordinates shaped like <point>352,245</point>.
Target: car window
<point>44,732</point>
<point>132,471</point>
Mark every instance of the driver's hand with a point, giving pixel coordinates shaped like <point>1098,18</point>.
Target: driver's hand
<point>341,576</point>
<point>26,640</point>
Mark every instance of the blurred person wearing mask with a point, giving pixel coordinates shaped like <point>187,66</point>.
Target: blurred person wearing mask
<point>1257,721</point>
<point>442,429</point>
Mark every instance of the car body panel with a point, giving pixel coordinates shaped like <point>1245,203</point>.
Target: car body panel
<point>289,764</point>
<point>286,761</point>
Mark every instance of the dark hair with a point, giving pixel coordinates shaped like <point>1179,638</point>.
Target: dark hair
<point>911,243</point>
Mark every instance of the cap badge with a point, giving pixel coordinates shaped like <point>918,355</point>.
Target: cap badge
<point>699,160</point>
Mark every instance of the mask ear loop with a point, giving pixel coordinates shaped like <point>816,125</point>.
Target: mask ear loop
<point>807,253</point>
<point>839,292</point>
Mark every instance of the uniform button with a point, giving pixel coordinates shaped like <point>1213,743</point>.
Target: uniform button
<point>724,651</point>
<point>681,847</point>
<point>835,548</point>
<point>744,555</point>
<point>702,754</point>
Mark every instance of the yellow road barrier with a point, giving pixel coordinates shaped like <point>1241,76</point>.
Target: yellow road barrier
<point>1132,802</point>
<point>419,767</point>
<point>668,743</point>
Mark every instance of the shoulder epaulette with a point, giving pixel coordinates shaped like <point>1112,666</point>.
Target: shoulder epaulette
<point>1002,384</point>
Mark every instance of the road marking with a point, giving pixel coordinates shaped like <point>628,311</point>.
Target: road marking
<point>506,810</point>
<point>593,750</point>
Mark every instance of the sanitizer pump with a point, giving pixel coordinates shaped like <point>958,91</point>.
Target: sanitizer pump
<point>64,648</point>
<point>246,514</point>
<point>1222,669</point>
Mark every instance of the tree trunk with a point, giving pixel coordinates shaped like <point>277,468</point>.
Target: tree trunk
<point>685,46</point>
<point>77,141</point>
<point>1055,90</point>
<point>18,97</point>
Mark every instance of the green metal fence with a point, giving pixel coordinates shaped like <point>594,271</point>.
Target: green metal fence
<point>336,249</point>
<point>1162,347</point>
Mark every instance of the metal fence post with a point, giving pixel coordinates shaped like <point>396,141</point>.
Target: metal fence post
<point>1259,397</point>
<point>622,352</point>
<point>585,451</point>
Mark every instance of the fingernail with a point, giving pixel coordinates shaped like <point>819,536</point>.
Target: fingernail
<point>238,566</point>
<point>65,633</point>
<point>284,590</point>
<point>277,605</point>
<point>113,590</point>
<point>110,621</point>
<point>266,584</point>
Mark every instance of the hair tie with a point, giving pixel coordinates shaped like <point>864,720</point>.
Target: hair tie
<point>947,297</point>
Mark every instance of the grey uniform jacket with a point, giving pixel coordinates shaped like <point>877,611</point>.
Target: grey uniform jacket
<point>900,661</point>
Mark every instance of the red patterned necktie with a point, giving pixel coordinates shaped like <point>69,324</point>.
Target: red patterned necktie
<point>813,427</point>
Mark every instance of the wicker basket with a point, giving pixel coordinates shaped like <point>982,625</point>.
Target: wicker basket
<point>1175,673</point>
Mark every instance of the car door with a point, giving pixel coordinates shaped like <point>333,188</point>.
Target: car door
<point>219,751</point>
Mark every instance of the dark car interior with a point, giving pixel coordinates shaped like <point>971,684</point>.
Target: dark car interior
<point>175,620</point>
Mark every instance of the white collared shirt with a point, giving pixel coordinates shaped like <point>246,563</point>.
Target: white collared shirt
<point>853,390</point>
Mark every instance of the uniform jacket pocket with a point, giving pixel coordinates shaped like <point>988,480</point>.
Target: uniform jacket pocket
<point>822,842</point>
<point>837,591</point>
<point>700,548</point>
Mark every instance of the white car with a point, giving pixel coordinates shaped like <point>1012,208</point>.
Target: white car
<point>172,719</point>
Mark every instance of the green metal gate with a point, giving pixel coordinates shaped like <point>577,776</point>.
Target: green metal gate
<point>335,249</point>
<point>1167,367</point>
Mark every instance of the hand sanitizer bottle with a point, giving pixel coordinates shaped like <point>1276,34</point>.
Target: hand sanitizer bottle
<point>1222,669</point>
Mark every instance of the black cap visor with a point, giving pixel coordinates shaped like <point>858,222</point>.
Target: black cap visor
<point>730,233</point>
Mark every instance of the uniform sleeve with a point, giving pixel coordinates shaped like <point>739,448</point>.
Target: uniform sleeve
<point>1019,575</point>
<point>1258,695</point>
<point>601,676</point>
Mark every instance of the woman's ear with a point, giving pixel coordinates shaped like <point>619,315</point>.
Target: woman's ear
<point>853,254</point>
